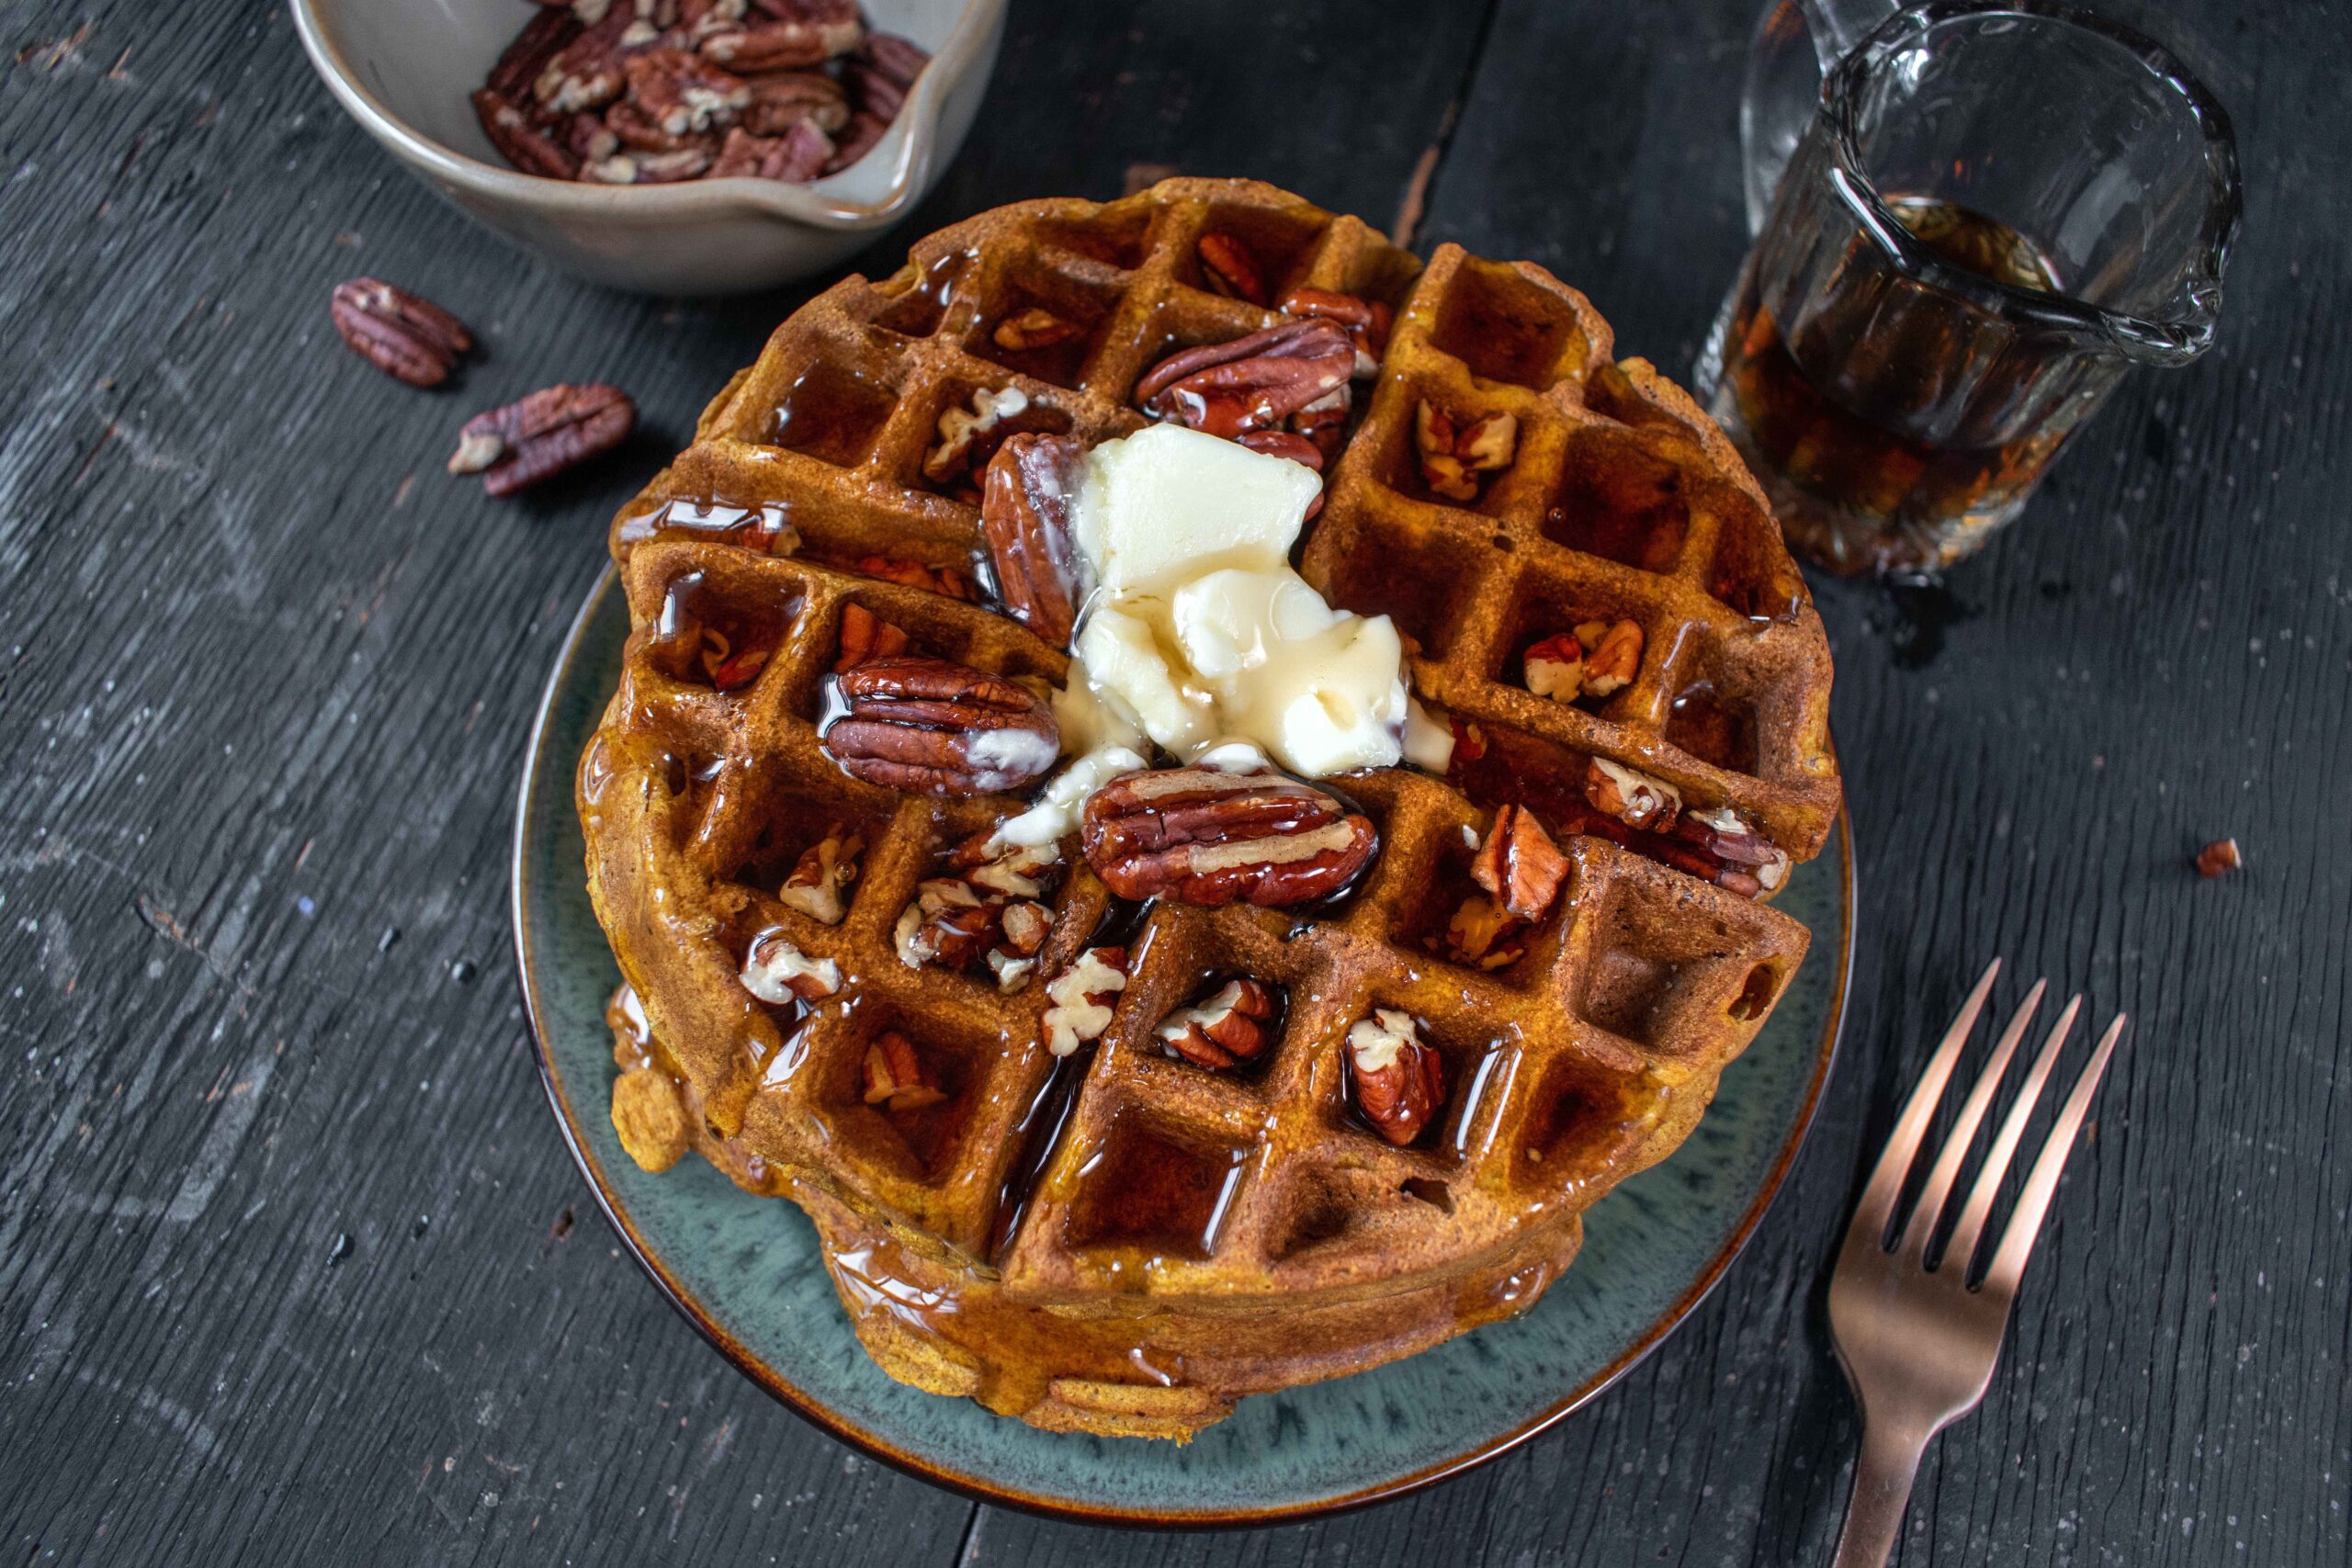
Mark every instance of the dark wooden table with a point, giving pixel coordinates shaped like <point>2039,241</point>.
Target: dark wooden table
<point>293,1266</point>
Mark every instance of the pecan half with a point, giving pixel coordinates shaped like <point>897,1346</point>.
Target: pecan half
<point>866,636</point>
<point>1025,500</point>
<point>1399,1081</point>
<point>1633,798</point>
<point>856,140</point>
<point>683,94</point>
<point>2218,858</point>
<point>818,886</point>
<point>931,726</point>
<point>795,35</point>
<point>408,338</point>
<point>1084,997</point>
<point>1366,321</point>
<point>651,168</point>
<point>784,99</point>
<point>1291,444</point>
<point>1229,1027</point>
<point>1520,864</point>
<point>1207,836</point>
<point>1033,329</point>
<point>541,40</point>
<point>875,92</point>
<point>522,140</point>
<point>1250,383</point>
<point>795,157</point>
<point>902,60</point>
<point>543,435</point>
<point>1229,269</point>
<point>777,971</point>
<point>896,1077</point>
<point>591,71</point>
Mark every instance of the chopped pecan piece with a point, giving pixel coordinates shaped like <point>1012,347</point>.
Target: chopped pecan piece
<point>408,338</point>
<point>543,435</point>
<point>777,971</point>
<point>1750,864</point>
<point>865,636</point>
<point>961,429</point>
<point>1555,668</point>
<point>1229,1027</point>
<point>1520,864</point>
<point>1250,383</point>
<point>821,878</point>
<point>948,923</point>
<point>2218,858</point>
<point>1207,836</point>
<point>931,726</point>
<point>945,581</point>
<point>1027,924</point>
<point>1017,871</point>
<point>1478,932</point>
<point>1454,456</point>
<point>1084,997</point>
<point>649,1114</point>
<point>1033,329</point>
<point>1399,1081</point>
<point>1027,493</point>
<point>897,1077</point>
<point>1612,655</point>
<point>1633,798</point>
<point>1229,269</point>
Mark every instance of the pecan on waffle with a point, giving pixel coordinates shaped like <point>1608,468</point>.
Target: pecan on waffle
<point>1109,1164</point>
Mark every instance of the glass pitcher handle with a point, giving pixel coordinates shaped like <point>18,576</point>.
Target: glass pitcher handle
<point>1795,45</point>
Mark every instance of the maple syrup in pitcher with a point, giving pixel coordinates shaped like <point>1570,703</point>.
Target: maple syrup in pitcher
<point>1885,413</point>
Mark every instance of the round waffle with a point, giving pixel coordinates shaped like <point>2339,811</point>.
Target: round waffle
<point>1117,1240</point>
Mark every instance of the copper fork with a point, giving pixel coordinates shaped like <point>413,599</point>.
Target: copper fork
<point>1918,1342</point>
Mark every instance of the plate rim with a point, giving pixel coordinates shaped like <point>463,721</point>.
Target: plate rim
<point>979,1488</point>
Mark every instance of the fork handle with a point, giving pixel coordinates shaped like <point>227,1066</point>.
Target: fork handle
<point>1883,1477</point>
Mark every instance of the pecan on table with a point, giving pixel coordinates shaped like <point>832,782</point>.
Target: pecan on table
<point>543,435</point>
<point>2218,858</point>
<point>1250,383</point>
<point>1399,1081</point>
<point>931,726</point>
<point>1207,836</point>
<point>1027,493</point>
<point>408,338</point>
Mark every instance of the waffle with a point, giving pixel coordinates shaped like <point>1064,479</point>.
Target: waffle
<point>1118,1241</point>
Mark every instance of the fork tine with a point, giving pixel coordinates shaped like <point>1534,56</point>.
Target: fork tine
<point>1961,1247</point>
<point>2033,1203</point>
<point>1870,1215</point>
<point>1921,1225</point>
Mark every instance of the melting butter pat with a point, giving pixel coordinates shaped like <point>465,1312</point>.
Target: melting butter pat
<point>1166,504</point>
<point>1318,688</point>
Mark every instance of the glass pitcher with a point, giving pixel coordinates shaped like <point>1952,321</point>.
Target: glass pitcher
<point>1970,218</point>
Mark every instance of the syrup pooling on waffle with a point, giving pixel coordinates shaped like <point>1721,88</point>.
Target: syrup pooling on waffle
<point>921,1112</point>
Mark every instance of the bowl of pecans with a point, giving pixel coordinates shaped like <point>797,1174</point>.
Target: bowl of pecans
<point>666,146</point>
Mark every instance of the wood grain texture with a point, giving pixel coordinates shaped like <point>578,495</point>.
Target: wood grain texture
<point>288,1263</point>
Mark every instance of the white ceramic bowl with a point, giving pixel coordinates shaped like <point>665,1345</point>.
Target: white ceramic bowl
<point>405,70</point>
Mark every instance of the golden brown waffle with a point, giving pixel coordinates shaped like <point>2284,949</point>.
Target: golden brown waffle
<point>1119,1241</point>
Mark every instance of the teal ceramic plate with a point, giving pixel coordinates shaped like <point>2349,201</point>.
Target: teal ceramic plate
<point>746,1271</point>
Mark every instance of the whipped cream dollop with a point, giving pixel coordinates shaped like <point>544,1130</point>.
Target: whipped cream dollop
<point>1197,635</point>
